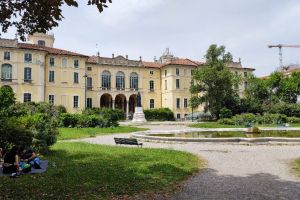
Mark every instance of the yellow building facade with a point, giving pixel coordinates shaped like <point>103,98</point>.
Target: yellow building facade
<point>39,72</point>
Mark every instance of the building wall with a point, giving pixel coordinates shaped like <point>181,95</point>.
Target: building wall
<point>36,87</point>
<point>64,89</point>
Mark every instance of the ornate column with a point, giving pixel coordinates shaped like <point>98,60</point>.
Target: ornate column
<point>127,110</point>
<point>113,104</point>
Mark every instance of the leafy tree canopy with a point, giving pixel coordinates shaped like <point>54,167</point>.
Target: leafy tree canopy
<point>214,83</point>
<point>30,16</point>
<point>7,97</point>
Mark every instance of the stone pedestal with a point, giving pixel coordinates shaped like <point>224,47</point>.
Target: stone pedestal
<point>139,116</point>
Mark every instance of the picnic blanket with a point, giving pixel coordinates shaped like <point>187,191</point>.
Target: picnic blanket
<point>44,165</point>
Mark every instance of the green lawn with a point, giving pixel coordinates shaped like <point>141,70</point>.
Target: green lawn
<point>296,166</point>
<point>217,125</point>
<point>87,171</point>
<point>76,133</point>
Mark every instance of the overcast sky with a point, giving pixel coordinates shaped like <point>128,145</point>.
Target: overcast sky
<point>146,27</point>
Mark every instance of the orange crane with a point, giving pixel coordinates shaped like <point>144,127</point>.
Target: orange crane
<point>280,46</point>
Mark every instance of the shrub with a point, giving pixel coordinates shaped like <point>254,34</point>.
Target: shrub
<point>244,119</point>
<point>295,120</point>
<point>226,121</point>
<point>160,114</point>
<point>43,128</point>
<point>13,133</point>
<point>115,114</point>
<point>225,113</point>
<point>69,120</point>
<point>290,110</point>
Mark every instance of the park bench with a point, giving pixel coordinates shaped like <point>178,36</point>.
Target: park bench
<point>128,141</point>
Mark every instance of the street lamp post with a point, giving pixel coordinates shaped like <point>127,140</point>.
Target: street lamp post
<point>85,87</point>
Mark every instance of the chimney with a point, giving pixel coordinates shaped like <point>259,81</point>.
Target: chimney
<point>127,57</point>
<point>140,58</point>
<point>155,60</point>
<point>113,55</point>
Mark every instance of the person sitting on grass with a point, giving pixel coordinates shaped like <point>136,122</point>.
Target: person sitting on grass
<point>11,161</point>
<point>29,156</point>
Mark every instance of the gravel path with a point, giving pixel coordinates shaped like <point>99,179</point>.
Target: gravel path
<point>234,171</point>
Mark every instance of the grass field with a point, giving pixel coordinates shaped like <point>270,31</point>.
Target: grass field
<point>76,133</point>
<point>296,166</point>
<point>86,171</point>
<point>217,125</point>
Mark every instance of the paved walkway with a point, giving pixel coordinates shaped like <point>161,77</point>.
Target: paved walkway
<point>233,171</point>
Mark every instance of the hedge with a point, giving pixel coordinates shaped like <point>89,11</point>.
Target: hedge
<point>160,114</point>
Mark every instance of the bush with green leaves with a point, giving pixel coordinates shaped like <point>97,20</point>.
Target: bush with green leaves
<point>13,133</point>
<point>250,119</point>
<point>160,114</point>
<point>43,126</point>
<point>288,109</point>
<point>293,120</point>
<point>114,114</point>
<point>95,117</point>
<point>226,121</point>
<point>225,113</point>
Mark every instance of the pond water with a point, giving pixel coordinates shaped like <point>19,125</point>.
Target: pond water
<point>228,134</point>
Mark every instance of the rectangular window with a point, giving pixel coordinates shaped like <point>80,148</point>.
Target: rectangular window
<point>245,74</point>
<point>236,73</point>
<point>178,103</point>
<point>151,73</point>
<point>166,72</point>
<point>89,68</point>
<point>178,116</point>
<point>76,63</point>
<point>89,102</point>
<point>51,99</point>
<point>75,101</point>
<point>27,97</point>
<point>166,84</point>
<point>185,103</point>
<point>28,57</point>
<point>177,83</point>
<point>51,76</point>
<point>151,85</point>
<point>6,55</point>
<point>64,62</point>
<point>177,71</point>
<point>246,85</point>
<point>89,83</point>
<point>27,74</point>
<point>76,80</point>
<point>151,103</point>
<point>52,61</point>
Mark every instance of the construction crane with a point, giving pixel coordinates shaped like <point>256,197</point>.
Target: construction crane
<point>280,46</point>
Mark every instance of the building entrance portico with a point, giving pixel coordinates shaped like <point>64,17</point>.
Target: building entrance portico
<point>106,101</point>
<point>120,102</point>
<point>132,105</point>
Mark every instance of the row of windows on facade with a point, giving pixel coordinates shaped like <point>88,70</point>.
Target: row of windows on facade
<point>106,80</point>
<point>178,72</point>
<point>28,59</point>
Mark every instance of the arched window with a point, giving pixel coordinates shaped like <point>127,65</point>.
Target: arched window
<point>134,81</point>
<point>6,72</point>
<point>120,81</point>
<point>106,80</point>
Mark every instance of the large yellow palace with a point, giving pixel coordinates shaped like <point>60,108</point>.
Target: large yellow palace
<point>38,72</point>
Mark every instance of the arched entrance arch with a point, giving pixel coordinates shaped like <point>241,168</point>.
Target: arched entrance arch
<point>106,101</point>
<point>132,104</point>
<point>120,102</point>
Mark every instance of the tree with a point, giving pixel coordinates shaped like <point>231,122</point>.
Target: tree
<point>7,97</point>
<point>256,94</point>
<point>214,83</point>
<point>30,16</point>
